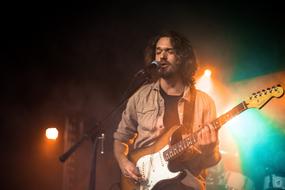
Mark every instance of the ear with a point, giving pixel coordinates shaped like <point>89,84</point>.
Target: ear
<point>178,60</point>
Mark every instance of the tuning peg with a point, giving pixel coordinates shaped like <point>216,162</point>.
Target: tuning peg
<point>254,94</point>
<point>268,89</point>
<point>278,85</point>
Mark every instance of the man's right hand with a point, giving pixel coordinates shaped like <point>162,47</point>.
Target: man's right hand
<point>127,167</point>
<point>130,170</point>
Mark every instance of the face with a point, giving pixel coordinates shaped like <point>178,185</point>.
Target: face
<point>166,56</point>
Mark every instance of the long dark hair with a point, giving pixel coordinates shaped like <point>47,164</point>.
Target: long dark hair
<point>183,50</point>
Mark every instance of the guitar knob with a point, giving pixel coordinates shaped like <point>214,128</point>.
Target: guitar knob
<point>257,94</point>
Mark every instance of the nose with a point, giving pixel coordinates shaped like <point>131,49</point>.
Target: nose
<point>163,55</point>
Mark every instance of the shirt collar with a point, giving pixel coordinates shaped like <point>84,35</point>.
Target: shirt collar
<point>186,93</point>
<point>156,85</point>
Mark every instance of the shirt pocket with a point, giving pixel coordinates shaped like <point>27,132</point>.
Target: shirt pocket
<point>147,117</point>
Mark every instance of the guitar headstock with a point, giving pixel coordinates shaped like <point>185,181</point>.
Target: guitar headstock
<point>260,98</point>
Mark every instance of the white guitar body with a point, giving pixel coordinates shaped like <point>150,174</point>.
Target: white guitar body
<point>154,168</point>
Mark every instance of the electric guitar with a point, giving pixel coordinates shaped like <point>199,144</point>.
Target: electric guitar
<point>154,163</point>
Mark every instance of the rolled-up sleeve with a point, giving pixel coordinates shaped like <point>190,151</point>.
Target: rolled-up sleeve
<point>210,153</point>
<point>127,127</point>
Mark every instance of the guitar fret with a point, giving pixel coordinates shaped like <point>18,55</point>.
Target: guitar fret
<point>181,145</point>
<point>184,144</point>
<point>217,123</point>
<point>178,147</point>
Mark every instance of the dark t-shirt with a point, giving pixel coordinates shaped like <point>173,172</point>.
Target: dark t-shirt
<point>170,117</point>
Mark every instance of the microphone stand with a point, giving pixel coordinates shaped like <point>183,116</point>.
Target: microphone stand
<point>92,180</point>
<point>94,131</point>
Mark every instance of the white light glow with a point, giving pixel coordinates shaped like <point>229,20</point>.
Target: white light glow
<point>52,133</point>
<point>208,73</point>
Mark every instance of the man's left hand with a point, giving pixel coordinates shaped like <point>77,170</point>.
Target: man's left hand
<point>207,135</point>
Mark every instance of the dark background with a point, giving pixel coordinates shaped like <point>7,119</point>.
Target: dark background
<point>75,60</point>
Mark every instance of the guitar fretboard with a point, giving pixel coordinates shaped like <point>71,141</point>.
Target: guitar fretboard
<point>177,149</point>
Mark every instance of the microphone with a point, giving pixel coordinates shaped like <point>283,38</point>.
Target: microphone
<point>149,68</point>
<point>153,66</point>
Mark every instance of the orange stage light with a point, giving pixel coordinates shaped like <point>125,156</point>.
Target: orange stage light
<point>207,73</point>
<point>51,133</point>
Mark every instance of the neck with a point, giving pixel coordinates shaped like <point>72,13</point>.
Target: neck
<point>173,86</point>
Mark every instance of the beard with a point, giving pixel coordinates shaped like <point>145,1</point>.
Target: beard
<point>169,70</point>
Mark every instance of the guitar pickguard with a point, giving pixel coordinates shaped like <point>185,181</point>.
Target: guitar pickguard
<point>154,168</point>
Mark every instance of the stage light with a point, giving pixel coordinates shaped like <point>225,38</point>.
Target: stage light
<point>204,83</point>
<point>51,133</point>
<point>207,73</point>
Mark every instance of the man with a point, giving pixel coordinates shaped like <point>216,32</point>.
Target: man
<point>161,104</point>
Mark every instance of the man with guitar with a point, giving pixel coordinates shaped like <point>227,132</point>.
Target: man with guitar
<point>165,110</point>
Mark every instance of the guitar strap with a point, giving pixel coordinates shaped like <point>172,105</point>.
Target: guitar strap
<point>189,111</point>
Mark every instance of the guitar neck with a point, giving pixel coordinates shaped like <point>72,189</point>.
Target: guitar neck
<point>220,121</point>
<point>177,149</point>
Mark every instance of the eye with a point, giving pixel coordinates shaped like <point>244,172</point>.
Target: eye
<point>170,51</point>
<point>158,51</point>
